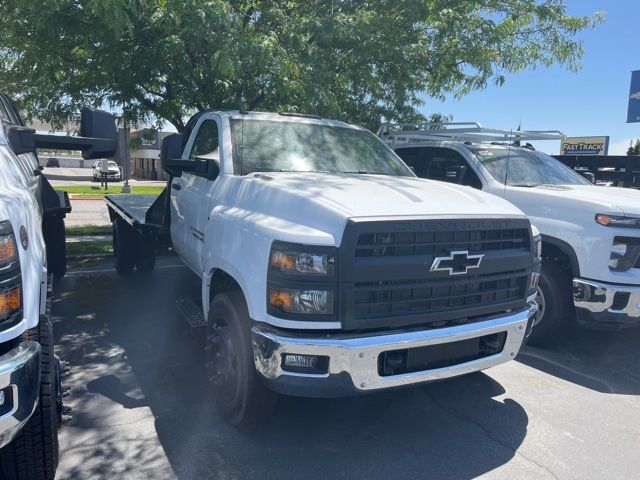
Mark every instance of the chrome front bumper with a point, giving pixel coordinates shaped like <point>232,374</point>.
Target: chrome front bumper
<point>353,359</point>
<point>20,383</point>
<point>605,305</point>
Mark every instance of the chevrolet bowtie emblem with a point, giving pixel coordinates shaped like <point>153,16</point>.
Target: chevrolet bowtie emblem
<point>457,263</point>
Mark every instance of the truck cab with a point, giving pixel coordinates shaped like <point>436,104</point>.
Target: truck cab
<point>328,268</point>
<point>590,234</point>
<point>31,408</point>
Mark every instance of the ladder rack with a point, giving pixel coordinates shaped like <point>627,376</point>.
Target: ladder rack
<point>460,131</point>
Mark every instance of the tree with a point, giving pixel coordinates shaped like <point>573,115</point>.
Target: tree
<point>634,149</point>
<point>358,60</point>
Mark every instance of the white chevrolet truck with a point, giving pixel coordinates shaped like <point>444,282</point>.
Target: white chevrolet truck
<point>590,234</point>
<point>327,267</point>
<point>31,243</point>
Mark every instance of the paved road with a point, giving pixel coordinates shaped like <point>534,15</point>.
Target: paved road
<point>141,407</point>
<point>87,212</point>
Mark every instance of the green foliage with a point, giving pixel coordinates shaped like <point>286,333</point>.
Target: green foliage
<point>635,149</point>
<point>350,59</point>
<point>77,191</point>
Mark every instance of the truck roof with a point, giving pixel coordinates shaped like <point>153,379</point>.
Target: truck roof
<point>280,117</point>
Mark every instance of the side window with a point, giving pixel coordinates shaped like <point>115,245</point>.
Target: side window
<point>206,141</point>
<point>442,164</point>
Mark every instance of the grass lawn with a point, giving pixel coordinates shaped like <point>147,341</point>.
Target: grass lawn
<point>86,248</point>
<point>96,191</point>
<point>88,230</point>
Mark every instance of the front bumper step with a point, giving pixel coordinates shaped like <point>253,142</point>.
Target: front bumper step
<point>353,360</point>
<point>20,382</point>
<point>606,306</point>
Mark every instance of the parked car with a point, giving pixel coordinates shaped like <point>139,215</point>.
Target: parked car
<point>590,234</point>
<point>114,173</point>
<point>53,162</point>
<point>31,249</point>
<point>327,268</point>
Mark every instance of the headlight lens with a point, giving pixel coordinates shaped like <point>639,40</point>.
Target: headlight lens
<point>309,301</point>
<point>617,221</point>
<point>10,302</point>
<point>303,263</point>
<point>8,251</point>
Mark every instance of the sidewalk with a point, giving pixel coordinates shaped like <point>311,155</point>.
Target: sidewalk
<point>87,212</point>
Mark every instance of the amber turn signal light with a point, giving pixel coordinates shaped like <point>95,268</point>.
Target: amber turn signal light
<point>10,301</point>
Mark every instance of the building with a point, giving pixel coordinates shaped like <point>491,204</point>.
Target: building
<point>145,156</point>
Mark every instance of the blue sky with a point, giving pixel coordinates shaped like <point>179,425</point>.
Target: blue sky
<point>590,102</point>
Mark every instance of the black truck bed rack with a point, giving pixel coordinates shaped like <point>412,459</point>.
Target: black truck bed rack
<point>142,212</point>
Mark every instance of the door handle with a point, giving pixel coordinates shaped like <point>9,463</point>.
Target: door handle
<point>176,186</point>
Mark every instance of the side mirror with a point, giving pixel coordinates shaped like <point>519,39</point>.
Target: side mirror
<point>455,174</point>
<point>98,137</point>
<point>170,153</point>
<point>589,176</point>
<point>100,127</point>
<point>207,167</point>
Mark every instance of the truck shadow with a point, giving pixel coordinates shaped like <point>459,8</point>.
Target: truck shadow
<point>605,362</point>
<point>131,354</point>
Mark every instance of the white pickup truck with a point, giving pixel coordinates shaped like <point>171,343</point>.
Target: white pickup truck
<point>590,234</point>
<point>31,251</point>
<point>327,267</point>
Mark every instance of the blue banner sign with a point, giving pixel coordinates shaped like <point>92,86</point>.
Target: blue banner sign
<point>633,113</point>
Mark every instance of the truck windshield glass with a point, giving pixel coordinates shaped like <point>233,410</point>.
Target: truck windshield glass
<point>526,168</point>
<point>274,146</point>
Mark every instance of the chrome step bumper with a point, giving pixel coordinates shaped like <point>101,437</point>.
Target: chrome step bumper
<point>353,360</point>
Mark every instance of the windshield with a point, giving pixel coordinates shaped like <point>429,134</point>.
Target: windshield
<point>526,168</point>
<point>275,146</point>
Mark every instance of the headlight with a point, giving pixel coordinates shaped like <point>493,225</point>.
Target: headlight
<point>309,301</point>
<point>10,302</point>
<point>302,281</point>
<point>617,221</point>
<point>537,246</point>
<point>625,252</point>
<point>8,251</point>
<point>302,263</point>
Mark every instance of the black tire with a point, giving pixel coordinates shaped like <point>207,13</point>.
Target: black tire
<point>55,241</point>
<point>124,247</point>
<point>555,301</point>
<point>236,387</point>
<point>146,255</point>
<point>34,453</point>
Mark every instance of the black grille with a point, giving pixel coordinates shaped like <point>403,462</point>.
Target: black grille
<point>375,299</point>
<point>386,281</point>
<point>389,244</point>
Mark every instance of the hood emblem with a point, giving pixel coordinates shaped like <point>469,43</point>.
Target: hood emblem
<point>457,263</point>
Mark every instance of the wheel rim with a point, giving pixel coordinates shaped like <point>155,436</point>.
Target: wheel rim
<point>541,307</point>
<point>222,361</point>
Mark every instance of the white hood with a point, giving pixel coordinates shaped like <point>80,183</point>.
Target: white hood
<point>361,195</point>
<point>604,199</point>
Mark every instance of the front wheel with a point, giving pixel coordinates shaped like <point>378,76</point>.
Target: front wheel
<point>555,304</point>
<point>34,453</point>
<point>238,391</point>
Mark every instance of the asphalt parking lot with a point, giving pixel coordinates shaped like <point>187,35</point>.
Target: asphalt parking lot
<point>141,407</point>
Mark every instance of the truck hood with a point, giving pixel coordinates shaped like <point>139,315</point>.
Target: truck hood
<point>606,199</point>
<point>365,195</point>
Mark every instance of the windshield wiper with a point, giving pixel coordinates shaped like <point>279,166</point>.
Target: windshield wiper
<point>525,185</point>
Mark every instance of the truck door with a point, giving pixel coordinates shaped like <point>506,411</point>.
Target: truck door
<point>27,162</point>
<point>197,190</point>
<point>442,164</point>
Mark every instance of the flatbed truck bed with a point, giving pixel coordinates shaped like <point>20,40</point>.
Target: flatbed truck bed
<point>140,229</point>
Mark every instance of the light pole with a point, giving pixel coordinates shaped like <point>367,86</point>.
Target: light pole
<point>126,188</point>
